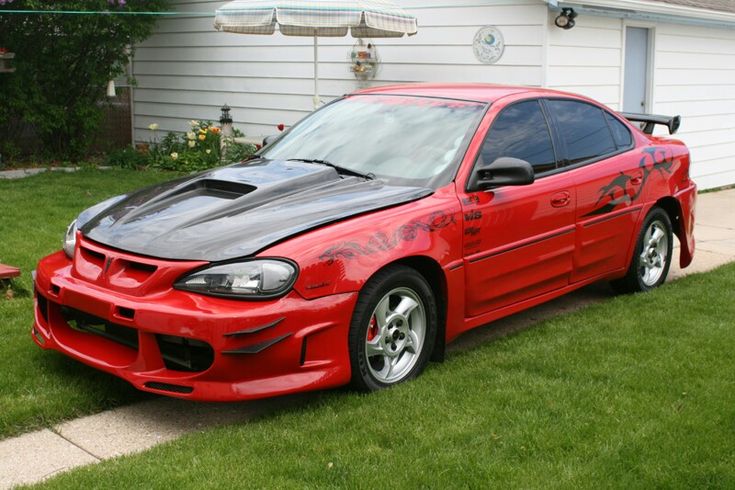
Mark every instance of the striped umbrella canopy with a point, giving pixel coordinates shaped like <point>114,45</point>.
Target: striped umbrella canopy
<point>325,18</point>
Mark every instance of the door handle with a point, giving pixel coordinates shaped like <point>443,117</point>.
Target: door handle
<point>561,199</point>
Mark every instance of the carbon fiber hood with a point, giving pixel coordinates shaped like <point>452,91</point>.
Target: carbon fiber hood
<point>235,211</point>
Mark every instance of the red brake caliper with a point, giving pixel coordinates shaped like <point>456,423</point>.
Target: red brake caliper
<point>373,330</point>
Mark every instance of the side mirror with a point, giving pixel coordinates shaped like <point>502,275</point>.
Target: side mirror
<point>270,139</point>
<point>503,171</point>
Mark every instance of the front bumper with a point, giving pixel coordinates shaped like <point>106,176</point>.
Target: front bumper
<point>187,345</point>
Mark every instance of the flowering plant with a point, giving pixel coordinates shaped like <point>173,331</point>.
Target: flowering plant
<point>197,149</point>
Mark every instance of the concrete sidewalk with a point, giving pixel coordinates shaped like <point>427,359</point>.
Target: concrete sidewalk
<point>28,172</point>
<point>32,457</point>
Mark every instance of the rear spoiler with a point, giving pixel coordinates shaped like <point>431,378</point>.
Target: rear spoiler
<point>652,120</point>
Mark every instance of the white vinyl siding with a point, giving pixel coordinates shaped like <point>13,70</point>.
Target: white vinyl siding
<point>187,70</point>
<point>586,59</point>
<point>695,77</point>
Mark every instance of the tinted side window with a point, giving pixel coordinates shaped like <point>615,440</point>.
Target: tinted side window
<point>621,134</point>
<point>583,128</point>
<point>520,131</point>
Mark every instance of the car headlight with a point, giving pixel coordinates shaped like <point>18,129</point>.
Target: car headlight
<point>70,239</point>
<point>262,278</point>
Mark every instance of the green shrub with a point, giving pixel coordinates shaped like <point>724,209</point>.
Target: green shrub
<point>127,158</point>
<point>63,63</point>
<point>236,152</point>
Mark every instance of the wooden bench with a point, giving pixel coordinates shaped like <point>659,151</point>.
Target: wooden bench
<point>8,272</point>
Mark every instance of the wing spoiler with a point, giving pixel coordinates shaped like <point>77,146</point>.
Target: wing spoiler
<point>651,120</point>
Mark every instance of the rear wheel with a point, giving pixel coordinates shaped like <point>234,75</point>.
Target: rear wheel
<point>393,329</point>
<point>652,257</point>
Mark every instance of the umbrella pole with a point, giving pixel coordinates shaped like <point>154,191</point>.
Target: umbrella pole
<point>316,71</point>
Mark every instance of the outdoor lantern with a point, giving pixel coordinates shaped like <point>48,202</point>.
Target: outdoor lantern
<point>565,20</point>
<point>5,61</point>
<point>225,121</point>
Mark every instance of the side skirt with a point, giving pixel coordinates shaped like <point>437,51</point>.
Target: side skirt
<point>476,321</point>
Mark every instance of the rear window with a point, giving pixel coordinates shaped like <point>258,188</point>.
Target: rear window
<point>620,133</point>
<point>584,130</point>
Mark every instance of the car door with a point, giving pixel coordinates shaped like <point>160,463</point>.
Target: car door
<point>518,241</point>
<point>599,150</point>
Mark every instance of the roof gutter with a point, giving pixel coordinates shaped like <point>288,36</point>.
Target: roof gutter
<point>648,11</point>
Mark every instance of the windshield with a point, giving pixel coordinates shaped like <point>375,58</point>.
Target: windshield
<point>402,140</point>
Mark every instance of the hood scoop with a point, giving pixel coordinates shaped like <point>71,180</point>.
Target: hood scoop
<point>205,193</point>
<point>237,211</point>
<point>220,189</point>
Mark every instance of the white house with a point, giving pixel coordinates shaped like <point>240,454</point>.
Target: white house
<point>658,56</point>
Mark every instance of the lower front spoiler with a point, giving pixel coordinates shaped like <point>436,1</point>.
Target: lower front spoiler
<point>251,356</point>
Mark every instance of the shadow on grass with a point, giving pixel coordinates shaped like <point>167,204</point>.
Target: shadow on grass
<point>13,289</point>
<point>105,386</point>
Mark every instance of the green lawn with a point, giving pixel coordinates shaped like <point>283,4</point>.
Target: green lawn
<point>40,387</point>
<point>635,392</point>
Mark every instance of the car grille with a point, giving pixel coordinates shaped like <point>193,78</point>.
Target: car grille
<point>184,354</point>
<point>178,353</point>
<point>84,322</point>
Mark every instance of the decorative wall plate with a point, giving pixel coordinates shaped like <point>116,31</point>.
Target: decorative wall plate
<point>488,45</point>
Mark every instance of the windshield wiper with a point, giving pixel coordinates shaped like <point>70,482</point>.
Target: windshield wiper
<point>339,169</point>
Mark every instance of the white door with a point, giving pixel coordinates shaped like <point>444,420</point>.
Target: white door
<point>635,85</point>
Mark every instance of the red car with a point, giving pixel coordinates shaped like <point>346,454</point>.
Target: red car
<point>354,247</point>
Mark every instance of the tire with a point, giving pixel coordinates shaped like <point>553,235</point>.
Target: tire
<point>393,329</point>
<point>652,257</point>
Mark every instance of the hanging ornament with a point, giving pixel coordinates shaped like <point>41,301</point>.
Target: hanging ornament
<point>364,60</point>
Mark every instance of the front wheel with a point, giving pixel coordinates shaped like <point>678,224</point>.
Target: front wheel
<point>652,258</point>
<point>393,329</point>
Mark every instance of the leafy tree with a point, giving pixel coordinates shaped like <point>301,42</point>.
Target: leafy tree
<point>63,62</point>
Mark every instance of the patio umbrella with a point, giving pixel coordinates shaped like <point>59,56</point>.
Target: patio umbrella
<point>327,18</point>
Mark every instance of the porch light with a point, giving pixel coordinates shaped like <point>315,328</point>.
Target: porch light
<point>565,20</point>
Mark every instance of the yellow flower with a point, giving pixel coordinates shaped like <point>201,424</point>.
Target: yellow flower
<point>191,135</point>
<point>202,137</point>
<point>192,143</point>
<point>153,127</point>
<point>194,123</point>
<point>209,151</point>
<point>174,156</point>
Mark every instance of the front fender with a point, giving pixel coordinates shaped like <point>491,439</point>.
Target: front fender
<point>341,257</point>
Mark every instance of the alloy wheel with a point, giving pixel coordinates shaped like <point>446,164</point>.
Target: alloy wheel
<point>396,335</point>
<point>654,253</point>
